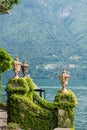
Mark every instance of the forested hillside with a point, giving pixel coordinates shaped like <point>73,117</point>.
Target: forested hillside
<point>50,34</point>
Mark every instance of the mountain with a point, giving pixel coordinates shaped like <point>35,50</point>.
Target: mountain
<point>51,35</point>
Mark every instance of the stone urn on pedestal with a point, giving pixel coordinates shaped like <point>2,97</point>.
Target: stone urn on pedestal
<point>64,77</point>
<point>25,67</point>
<point>16,66</point>
<point>66,101</point>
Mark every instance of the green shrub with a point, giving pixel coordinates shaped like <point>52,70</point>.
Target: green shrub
<point>26,108</point>
<point>12,126</point>
<point>3,105</point>
<point>65,102</point>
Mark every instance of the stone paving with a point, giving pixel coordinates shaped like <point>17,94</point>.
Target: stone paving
<point>3,119</point>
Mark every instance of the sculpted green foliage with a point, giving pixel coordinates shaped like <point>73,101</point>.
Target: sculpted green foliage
<point>38,115</point>
<point>65,104</point>
<point>12,126</point>
<point>3,105</point>
<point>5,61</point>
<point>26,108</point>
<point>66,100</point>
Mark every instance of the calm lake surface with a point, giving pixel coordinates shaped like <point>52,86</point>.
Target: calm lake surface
<point>78,87</point>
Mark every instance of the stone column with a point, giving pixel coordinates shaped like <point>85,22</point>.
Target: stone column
<point>65,101</point>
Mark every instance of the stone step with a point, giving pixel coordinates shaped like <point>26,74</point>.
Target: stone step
<point>3,119</point>
<point>3,114</point>
<point>3,122</point>
<point>3,128</point>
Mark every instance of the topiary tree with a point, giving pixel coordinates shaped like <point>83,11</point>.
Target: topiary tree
<point>5,62</point>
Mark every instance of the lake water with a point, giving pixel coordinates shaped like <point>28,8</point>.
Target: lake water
<point>80,90</point>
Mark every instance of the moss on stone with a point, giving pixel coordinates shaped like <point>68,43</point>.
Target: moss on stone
<point>65,103</point>
<point>26,108</point>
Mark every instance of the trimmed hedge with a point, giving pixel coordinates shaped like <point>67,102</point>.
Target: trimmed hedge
<point>3,105</point>
<point>65,103</point>
<point>26,108</point>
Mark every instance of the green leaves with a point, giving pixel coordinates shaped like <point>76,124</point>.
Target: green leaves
<point>28,113</point>
<point>32,111</point>
<point>6,5</point>
<point>5,61</point>
<point>10,3</point>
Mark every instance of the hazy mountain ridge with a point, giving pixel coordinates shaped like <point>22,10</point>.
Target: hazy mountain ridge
<point>49,34</point>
